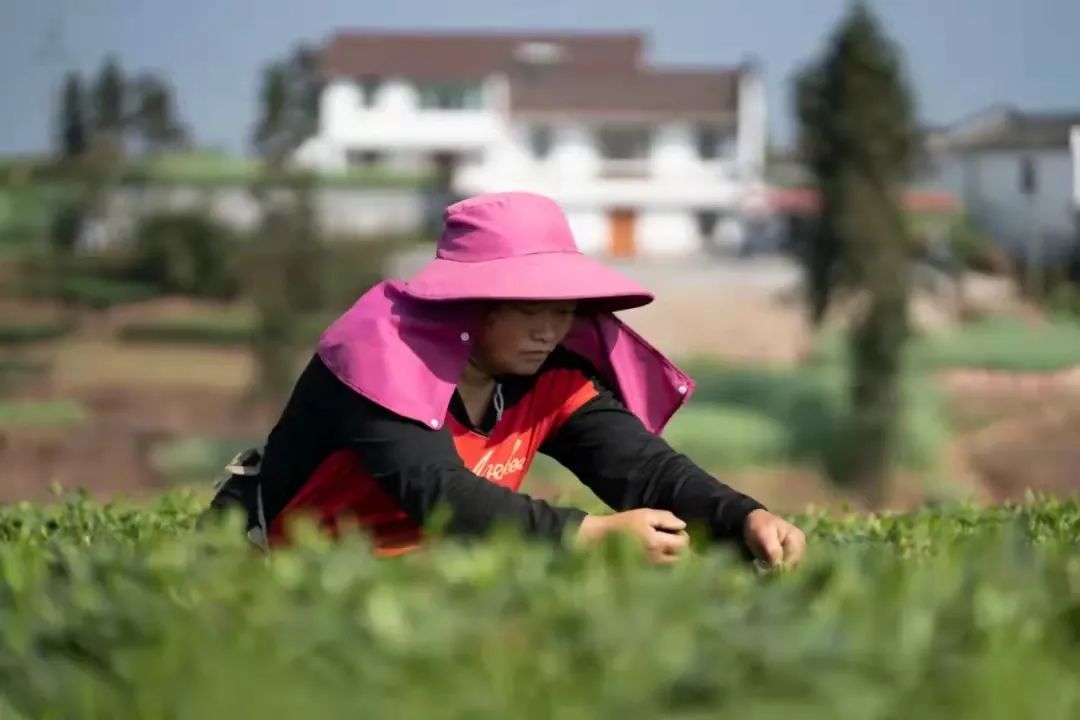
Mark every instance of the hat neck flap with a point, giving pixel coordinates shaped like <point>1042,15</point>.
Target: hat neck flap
<point>407,355</point>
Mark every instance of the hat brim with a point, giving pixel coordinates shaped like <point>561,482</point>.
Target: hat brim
<point>540,276</point>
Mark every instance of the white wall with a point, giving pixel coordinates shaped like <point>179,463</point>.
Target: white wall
<point>359,211</point>
<point>988,184</point>
<point>667,232</point>
<point>574,155</point>
<point>753,130</point>
<point>572,172</point>
<point>1075,144</point>
<point>657,233</point>
<point>397,123</point>
<point>674,152</point>
<point>317,152</point>
<point>591,230</point>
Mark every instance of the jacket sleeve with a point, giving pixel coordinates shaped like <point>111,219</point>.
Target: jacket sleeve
<point>610,451</point>
<point>421,470</point>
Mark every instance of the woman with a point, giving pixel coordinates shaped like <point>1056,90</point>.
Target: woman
<point>439,392</point>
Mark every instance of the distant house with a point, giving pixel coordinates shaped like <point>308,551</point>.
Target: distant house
<point>1075,142</point>
<point>645,160</point>
<point>1016,175</point>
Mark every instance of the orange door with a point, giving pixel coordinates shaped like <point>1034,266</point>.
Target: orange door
<point>622,233</point>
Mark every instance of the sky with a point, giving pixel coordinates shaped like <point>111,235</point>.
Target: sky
<point>961,55</point>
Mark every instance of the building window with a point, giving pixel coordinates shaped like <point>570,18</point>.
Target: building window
<point>451,96</point>
<point>363,158</point>
<point>369,90</point>
<point>624,142</point>
<point>706,223</point>
<point>713,143</point>
<point>540,141</point>
<point>1029,178</point>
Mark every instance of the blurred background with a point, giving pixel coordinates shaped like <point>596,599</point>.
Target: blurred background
<point>190,192</point>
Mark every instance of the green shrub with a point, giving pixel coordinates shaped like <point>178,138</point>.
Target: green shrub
<point>352,266</point>
<point>34,332</point>
<point>716,436</point>
<point>974,250</point>
<point>991,344</point>
<point>94,282</point>
<point>807,407</point>
<point>186,253</point>
<point>226,331</point>
<point>1003,344</point>
<point>1065,300</point>
<point>195,459</point>
<point>944,613</point>
<point>100,293</point>
<point>40,413</point>
<point>17,371</point>
<point>211,169</point>
<point>27,214</point>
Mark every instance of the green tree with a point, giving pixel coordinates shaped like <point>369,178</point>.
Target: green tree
<point>821,252</point>
<point>72,120</point>
<point>282,274</point>
<point>109,99</point>
<point>289,105</point>
<point>858,132</point>
<point>274,101</point>
<point>154,116</point>
<point>186,253</point>
<point>72,152</point>
<point>285,267</point>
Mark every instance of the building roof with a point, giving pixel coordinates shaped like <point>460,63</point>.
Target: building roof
<point>471,55</point>
<point>1007,128</point>
<point>549,72</point>
<point>627,91</point>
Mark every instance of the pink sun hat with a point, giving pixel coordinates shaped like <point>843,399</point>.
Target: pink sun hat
<point>404,345</point>
<point>518,246</point>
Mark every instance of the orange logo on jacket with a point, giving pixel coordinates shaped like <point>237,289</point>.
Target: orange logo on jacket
<point>497,471</point>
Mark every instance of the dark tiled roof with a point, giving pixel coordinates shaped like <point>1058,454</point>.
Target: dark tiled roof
<point>708,93</point>
<point>593,73</point>
<point>452,55</point>
<point>1010,129</point>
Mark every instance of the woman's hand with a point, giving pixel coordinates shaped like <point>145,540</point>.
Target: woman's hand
<point>661,534</point>
<point>773,540</point>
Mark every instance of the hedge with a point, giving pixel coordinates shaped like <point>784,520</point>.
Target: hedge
<point>121,611</point>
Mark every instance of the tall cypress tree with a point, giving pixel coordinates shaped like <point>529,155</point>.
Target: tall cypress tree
<point>288,262</point>
<point>273,115</point>
<point>858,134</point>
<point>154,114</point>
<point>109,98</point>
<point>72,118</point>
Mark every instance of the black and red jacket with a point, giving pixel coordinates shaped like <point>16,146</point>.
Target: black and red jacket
<point>341,458</point>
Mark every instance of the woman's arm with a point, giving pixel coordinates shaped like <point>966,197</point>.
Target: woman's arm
<point>421,470</point>
<point>610,450</point>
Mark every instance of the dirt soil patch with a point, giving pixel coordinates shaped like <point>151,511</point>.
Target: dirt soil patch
<point>733,324</point>
<point>86,364</point>
<point>1039,452</point>
<point>110,453</point>
<point>1017,435</point>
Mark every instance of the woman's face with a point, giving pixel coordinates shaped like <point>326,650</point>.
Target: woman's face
<point>518,336</point>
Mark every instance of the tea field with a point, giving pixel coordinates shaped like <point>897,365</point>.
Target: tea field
<point>119,611</point>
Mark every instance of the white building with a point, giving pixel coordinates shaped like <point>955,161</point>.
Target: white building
<point>1075,143</point>
<point>1016,175</point>
<point>644,160</point>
